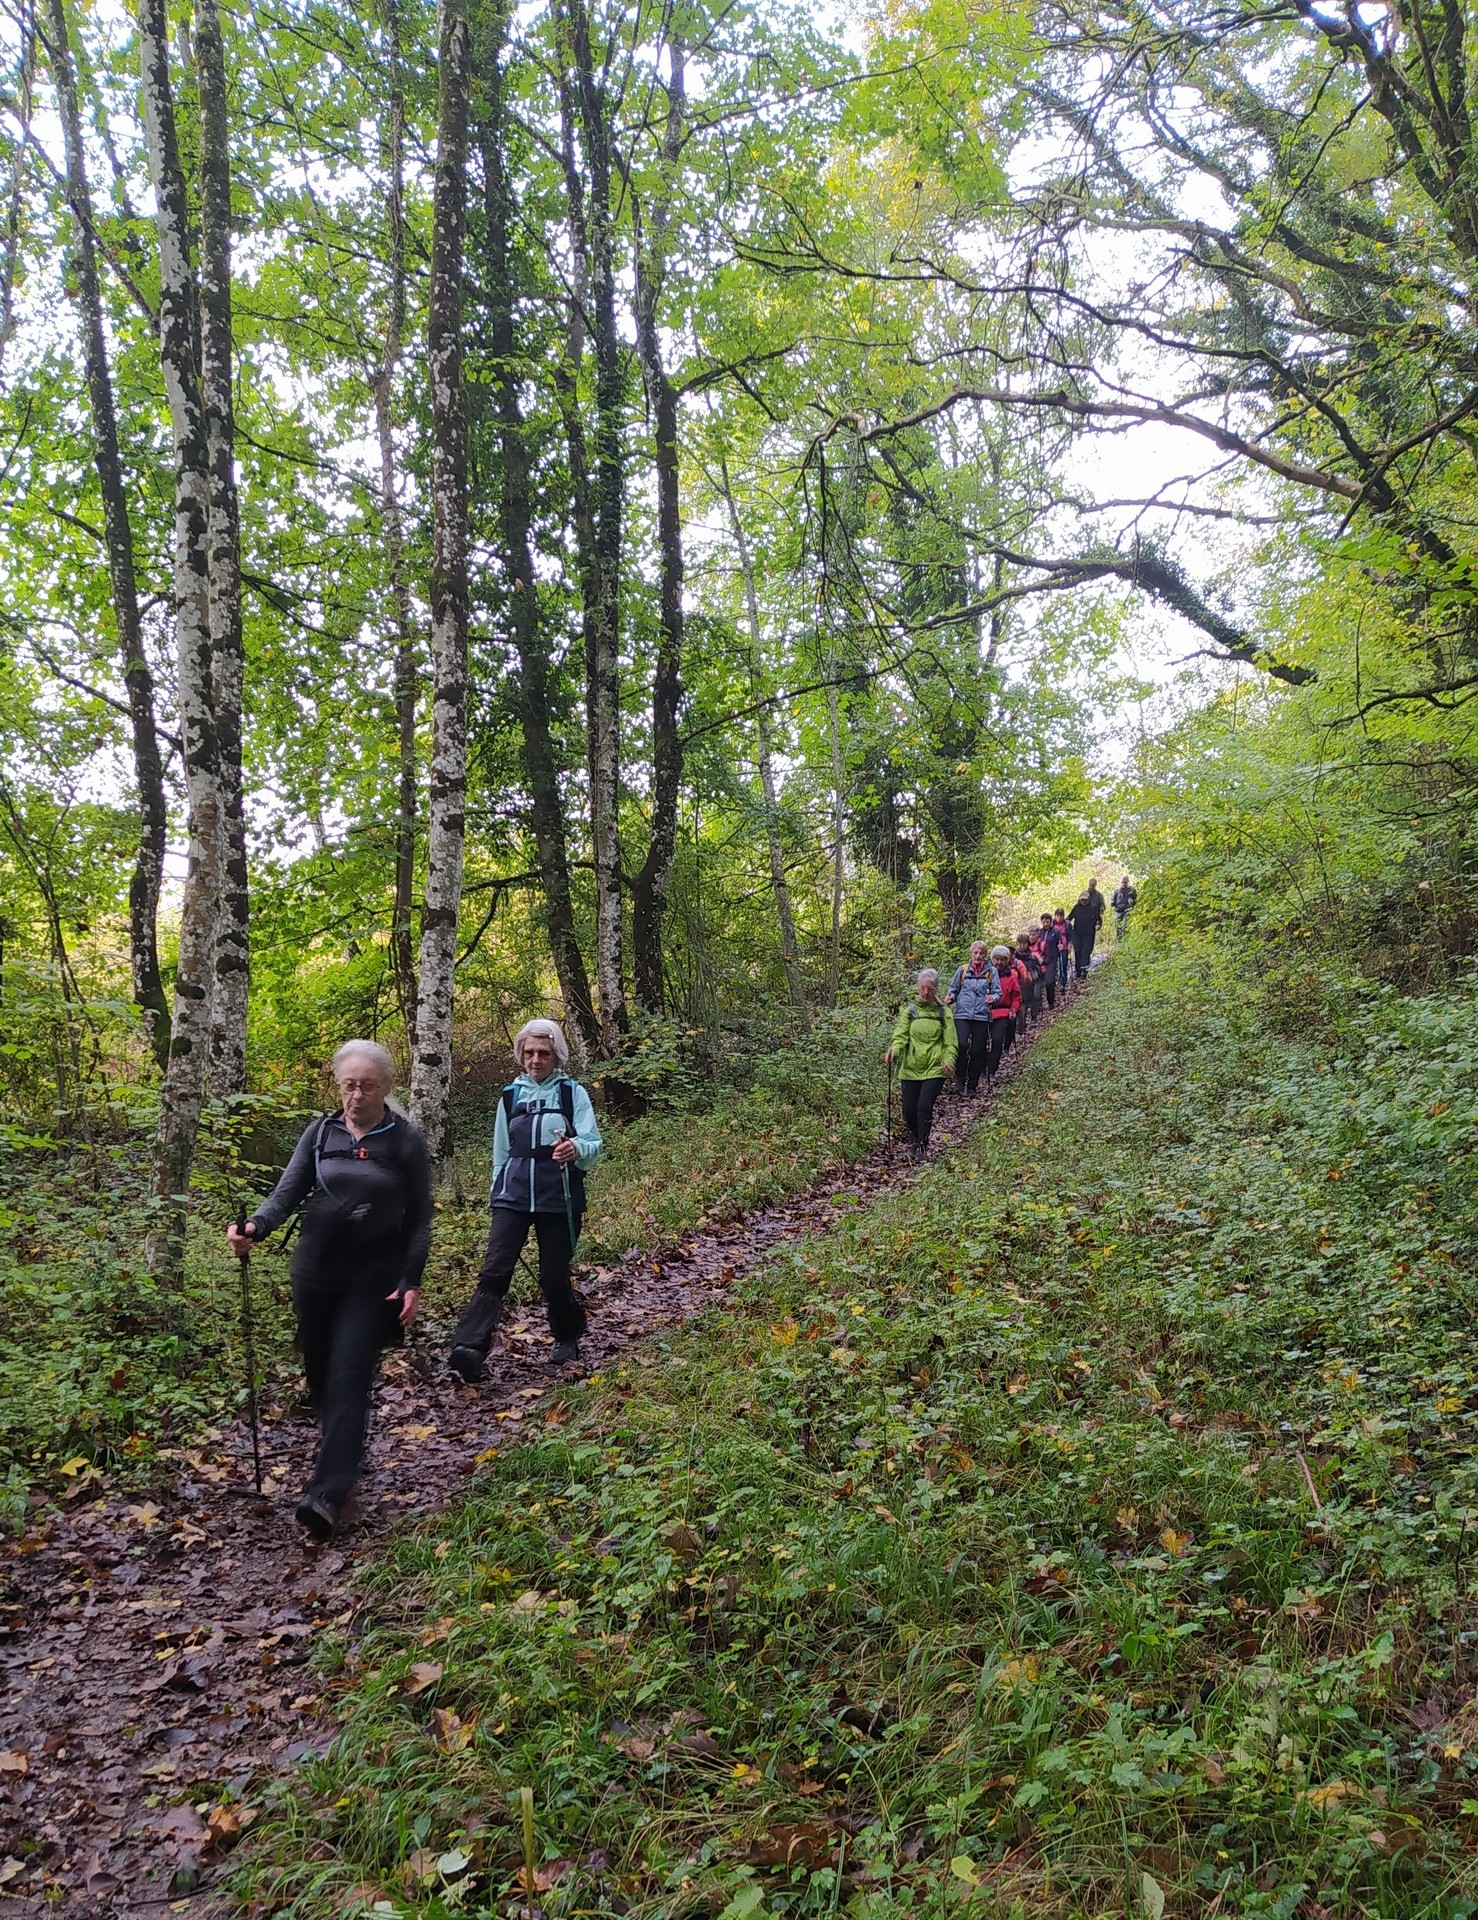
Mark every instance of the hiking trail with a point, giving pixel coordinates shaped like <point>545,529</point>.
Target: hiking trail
<point>157,1650</point>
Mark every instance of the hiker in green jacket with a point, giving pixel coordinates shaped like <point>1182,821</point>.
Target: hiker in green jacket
<point>923,1050</point>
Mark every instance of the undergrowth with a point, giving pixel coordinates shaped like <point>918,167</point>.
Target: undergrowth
<point>1086,1531</point>
<point>98,1370</point>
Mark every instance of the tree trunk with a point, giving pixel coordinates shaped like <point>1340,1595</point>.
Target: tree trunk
<point>406,678</point>
<point>189,1050</point>
<point>789,948</point>
<point>603,575</point>
<point>148,767</point>
<point>233,949</point>
<point>838,828</point>
<point>546,809</point>
<point>431,1065</point>
<point>649,901</point>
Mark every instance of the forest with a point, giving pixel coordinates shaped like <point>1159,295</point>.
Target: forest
<point>672,516</point>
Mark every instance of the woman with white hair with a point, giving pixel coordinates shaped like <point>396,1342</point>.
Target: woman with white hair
<point>545,1141</point>
<point>923,1049</point>
<point>363,1178</point>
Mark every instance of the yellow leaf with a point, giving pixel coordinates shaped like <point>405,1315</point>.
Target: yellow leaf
<point>1173,1542</point>
<point>77,1464</point>
<point>1330,1794</point>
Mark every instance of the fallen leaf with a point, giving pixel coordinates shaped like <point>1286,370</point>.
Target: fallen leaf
<point>1173,1542</point>
<point>809,1844</point>
<point>637,1748</point>
<point>1329,1795</point>
<point>424,1674</point>
<point>964,1868</point>
<point>682,1542</point>
<point>452,1734</point>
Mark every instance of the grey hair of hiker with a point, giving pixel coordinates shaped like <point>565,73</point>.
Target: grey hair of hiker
<point>928,973</point>
<point>542,1030</point>
<point>380,1057</point>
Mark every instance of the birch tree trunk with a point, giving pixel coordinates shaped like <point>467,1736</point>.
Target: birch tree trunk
<point>233,944</point>
<point>789,947</point>
<point>540,761</point>
<point>649,902</point>
<point>406,676</point>
<point>603,576</point>
<point>189,1050</point>
<point>148,767</point>
<point>431,1063</point>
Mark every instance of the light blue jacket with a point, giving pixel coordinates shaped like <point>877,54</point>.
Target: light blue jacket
<point>972,995</point>
<point>527,1180</point>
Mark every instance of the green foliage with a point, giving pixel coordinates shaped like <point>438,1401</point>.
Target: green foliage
<point>1087,1529</point>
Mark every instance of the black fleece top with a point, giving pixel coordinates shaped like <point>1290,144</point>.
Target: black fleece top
<point>363,1196</point>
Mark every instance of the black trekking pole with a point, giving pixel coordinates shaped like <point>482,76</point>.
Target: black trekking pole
<point>888,1109</point>
<point>249,1341</point>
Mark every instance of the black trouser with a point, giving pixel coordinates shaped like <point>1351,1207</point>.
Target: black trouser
<point>973,1058</point>
<point>1083,947</point>
<point>1049,986</point>
<point>343,1321</point>
<point>1002,1032</point>
<point>918,1106</point>
<point>506,1236</point>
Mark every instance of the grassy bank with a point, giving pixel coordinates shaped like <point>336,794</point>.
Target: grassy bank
<point>1086,1532</point>
<point>94,1366</point>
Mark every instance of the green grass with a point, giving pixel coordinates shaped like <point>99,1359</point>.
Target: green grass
<point>96,1366</point>
<point>1085,1532</point>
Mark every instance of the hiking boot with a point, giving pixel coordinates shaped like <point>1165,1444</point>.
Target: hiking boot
<point>564,1352</point>
<point>319,1518</point>
<point>468,1365</point>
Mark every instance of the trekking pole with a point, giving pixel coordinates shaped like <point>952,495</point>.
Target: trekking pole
<point>249,1341</point>
<point>564,1176</point>
<point>888,1110</point>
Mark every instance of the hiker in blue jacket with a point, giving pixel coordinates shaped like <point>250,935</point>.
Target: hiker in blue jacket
<point>972,993</point>
<point>545,1141</point>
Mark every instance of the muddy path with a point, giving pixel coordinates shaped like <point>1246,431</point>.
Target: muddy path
<point>157,1651</point>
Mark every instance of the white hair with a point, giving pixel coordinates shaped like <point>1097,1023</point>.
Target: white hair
<point>928,973</point>
<point>383,1059</point>
<point>541,1030</point>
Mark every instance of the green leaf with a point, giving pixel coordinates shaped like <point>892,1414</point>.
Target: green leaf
<point>1153,1896</point>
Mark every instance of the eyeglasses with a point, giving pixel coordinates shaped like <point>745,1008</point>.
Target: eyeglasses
<point>359,1086</point>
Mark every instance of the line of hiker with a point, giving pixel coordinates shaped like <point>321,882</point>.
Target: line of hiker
<point>992,999</point>
<point>359,1182</point>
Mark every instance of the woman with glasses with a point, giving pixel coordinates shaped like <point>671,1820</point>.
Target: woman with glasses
<point>363,1178</point>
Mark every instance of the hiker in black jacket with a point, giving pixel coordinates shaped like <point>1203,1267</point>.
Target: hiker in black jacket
<point>363,1179</point>
<point>1085,920</point>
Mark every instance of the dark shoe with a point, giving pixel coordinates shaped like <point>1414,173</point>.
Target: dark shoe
<point>468,1364</point>
<point>318,1517</point>
<point>564,1352</point>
